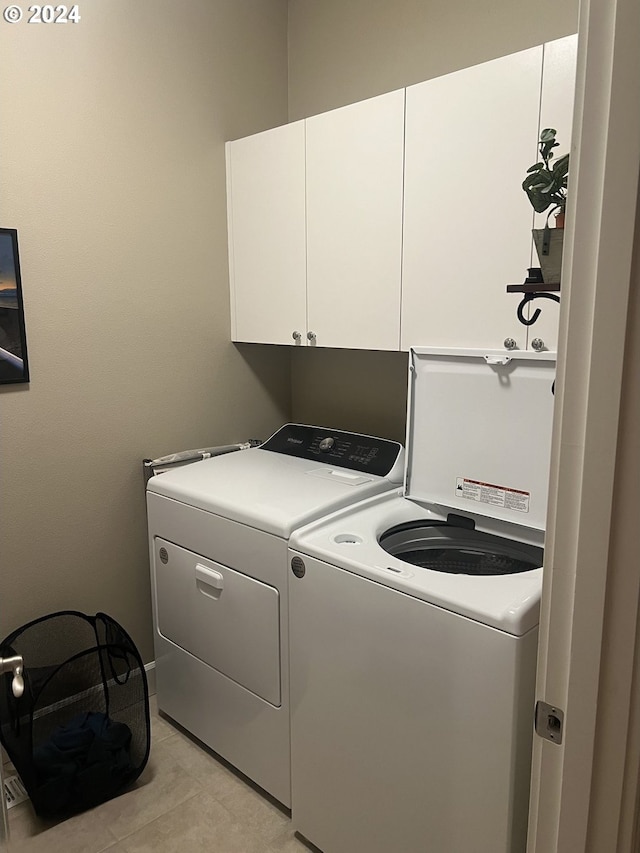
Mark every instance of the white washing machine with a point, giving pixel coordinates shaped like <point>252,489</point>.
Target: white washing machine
<point>413,624</point>
<point>218,535</point>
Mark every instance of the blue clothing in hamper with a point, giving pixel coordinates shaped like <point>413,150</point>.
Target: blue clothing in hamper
<point>85,762</point>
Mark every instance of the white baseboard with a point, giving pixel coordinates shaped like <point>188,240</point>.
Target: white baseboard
<point>150,669</point>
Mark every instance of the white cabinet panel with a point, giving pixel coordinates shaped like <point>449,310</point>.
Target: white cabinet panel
<point>558,89</point>
<point>470,137</point>
<point>354,223</point>
<point>266,218</point>
<point>556,110</point>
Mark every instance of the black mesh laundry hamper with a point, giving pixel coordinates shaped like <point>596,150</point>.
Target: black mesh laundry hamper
<point>80,733</point>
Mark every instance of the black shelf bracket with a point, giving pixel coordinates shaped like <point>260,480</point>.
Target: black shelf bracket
<point>533,288</point>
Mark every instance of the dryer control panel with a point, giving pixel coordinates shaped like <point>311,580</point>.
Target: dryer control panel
<point>335,447</point>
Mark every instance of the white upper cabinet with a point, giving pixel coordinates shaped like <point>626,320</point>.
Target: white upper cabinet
<point>266,221</point>
<point>400,220</point>
<point>556,110</point>
<point>354,168</point>
<point>470,137</point>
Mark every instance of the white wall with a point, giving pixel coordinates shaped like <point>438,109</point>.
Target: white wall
<point>112,169</point>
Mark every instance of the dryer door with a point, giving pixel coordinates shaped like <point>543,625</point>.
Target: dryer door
<point>228,620</point>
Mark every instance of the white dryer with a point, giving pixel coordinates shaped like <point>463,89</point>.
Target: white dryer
<point>218,535</point>
<point>414,621</point>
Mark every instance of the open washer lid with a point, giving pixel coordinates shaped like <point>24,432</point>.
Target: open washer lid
<point>479,432</point>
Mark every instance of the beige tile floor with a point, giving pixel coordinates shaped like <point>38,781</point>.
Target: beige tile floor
<point>185,800</point>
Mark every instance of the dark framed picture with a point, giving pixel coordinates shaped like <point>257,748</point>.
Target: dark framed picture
<point>14,366</point>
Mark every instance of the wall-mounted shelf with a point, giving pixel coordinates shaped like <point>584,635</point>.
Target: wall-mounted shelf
<point>537,287</point>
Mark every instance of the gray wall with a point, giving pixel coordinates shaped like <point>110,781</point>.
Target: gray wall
<point>342,51</point>
<point>112,151</point>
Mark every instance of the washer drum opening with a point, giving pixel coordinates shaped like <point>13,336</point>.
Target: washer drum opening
<point>444,547</point>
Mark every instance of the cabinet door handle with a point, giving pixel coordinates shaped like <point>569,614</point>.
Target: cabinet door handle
<point>311,336</point>
<point>297,336</point>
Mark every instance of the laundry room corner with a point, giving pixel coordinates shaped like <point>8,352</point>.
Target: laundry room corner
<point>379,48</point>
<point>113,173</point>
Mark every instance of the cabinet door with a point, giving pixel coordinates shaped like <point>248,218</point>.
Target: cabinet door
<point>354,223</point>
<point>556,110</point>
<point>265,203</point>
<point>470,137</point>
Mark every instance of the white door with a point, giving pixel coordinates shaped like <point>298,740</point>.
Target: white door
<point>267,265</point>
<point>585,790</point>
<point>354,224</point>
<point>470,137</point>
<point>556,110</point>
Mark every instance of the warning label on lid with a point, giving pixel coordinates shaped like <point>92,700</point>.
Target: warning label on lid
<point>489,493</point>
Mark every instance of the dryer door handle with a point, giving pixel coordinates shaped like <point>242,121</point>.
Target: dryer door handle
<point>209,577</point>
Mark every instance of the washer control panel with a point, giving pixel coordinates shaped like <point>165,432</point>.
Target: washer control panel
<point>336,447</point>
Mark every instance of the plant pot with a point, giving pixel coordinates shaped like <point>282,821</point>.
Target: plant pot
<point>548,242</point>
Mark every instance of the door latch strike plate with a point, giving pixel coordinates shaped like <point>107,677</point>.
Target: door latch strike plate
<point>549,722</point>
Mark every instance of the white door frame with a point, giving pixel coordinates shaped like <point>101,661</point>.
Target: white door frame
<point>585,791</point>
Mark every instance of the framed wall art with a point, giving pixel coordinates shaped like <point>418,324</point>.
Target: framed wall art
<point>14,366</point>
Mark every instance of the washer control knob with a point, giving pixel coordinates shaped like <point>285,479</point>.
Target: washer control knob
<point>510,343</point>
<point>538,344</point>
<point>326,444</point>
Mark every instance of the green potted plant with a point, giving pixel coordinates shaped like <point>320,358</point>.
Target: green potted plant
<point>546,187</point>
